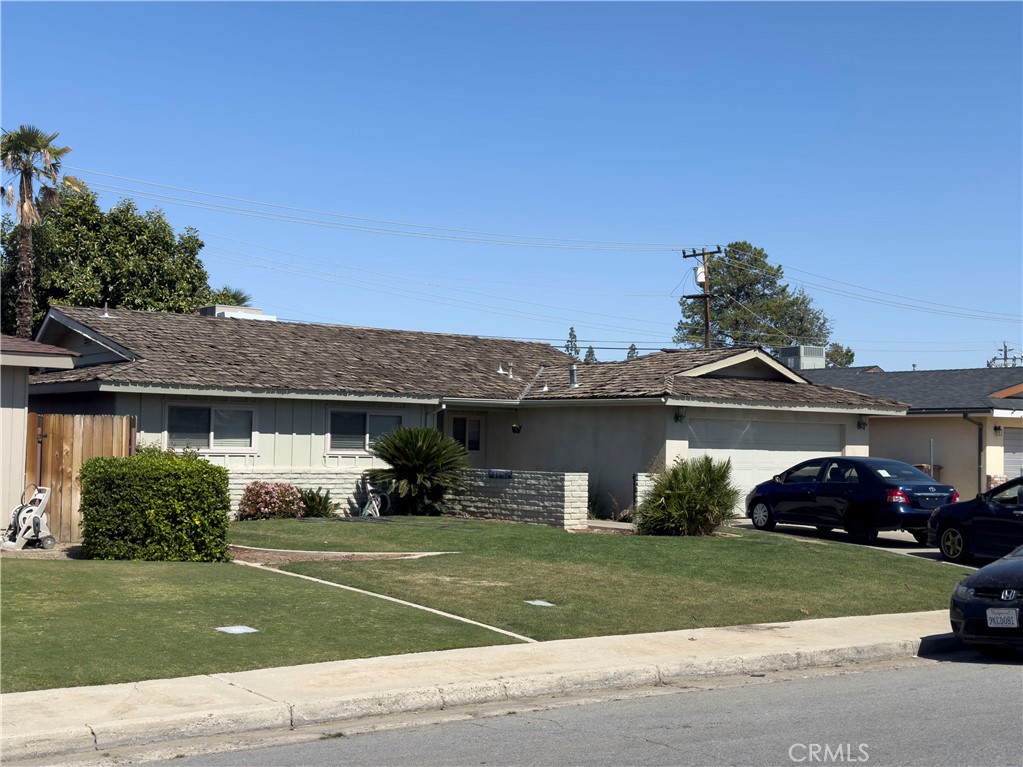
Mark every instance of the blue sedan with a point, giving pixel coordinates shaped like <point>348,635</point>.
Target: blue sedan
<point>859,495</point>
<point>989,526</point>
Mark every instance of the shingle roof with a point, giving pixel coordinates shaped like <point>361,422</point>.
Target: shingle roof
<point>661,375</point>
<point>931,390</point>
<point>15,345</point>
<point>190,350</point>
<point>200,352</point>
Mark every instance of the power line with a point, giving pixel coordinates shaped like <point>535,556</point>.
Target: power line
<point>450,232</point>
<point>995,316</point>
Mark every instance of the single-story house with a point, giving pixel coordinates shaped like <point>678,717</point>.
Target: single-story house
<point>17,357</point>
<point>285,399</point>
<point>967,423</point>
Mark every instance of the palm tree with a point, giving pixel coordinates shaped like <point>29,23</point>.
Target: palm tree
<point>29,152</point>
<point>423,465</point>
<point>229,296</point>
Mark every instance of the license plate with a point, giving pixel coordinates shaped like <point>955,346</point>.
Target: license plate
<point>1002,618</point>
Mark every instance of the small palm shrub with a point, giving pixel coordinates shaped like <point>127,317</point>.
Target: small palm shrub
<point>423,466</point>
<point>692,497</point>
<point>270,500</point>
<point>317,503</point>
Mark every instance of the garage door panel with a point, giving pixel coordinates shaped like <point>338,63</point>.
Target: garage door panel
<point>1013,441</point>
<point>759,449</point>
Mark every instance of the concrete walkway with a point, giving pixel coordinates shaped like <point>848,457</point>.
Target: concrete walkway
<point>48,723</point>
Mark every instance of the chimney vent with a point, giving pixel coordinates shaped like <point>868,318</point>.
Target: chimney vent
<point>573,380</point>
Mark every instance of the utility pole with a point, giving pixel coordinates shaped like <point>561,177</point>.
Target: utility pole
<point>706,294</point>
<point>1005,354</point>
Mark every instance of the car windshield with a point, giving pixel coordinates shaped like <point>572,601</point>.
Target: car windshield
<point>899,471</point>
<point>1016,553</point>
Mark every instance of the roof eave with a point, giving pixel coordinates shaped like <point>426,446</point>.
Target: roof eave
<point>196,391</point>
<point>798,406</point>
<point>60,318</point>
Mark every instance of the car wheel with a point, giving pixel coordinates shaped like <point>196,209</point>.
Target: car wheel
<point>953,544</point>
<point>920,536</point>
<point>761,515</point>
<point>860,529</point>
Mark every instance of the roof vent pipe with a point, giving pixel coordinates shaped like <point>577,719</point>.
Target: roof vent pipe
<point>572,377</point>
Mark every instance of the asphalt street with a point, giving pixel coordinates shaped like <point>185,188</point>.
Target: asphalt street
<point>959,710</point>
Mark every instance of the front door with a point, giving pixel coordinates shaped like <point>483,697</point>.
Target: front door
<point>469,430</point>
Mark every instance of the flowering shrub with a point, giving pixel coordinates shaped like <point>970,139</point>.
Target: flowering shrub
<point>270,500</point>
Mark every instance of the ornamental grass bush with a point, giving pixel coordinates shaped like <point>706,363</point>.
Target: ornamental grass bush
<point>270,500</point>
<point>692,497</point>
<point>317,503</point>
<point>155,505</point>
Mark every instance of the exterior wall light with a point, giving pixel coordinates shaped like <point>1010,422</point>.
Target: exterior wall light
<point>998,431</point>
<point>861,424</point>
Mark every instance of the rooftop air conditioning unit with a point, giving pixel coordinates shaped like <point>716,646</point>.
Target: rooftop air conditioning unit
<point>802,357</point>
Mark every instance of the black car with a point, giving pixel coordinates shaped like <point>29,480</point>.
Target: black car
<point>989,526</point>
<point>985,607</point>
<point>860,495</point>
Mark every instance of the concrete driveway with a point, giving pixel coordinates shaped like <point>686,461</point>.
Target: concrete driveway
<point>895,541</point>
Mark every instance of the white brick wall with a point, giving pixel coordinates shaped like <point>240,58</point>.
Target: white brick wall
<point>537,497</point>
<point>642,485</point>
<point>345,485</point>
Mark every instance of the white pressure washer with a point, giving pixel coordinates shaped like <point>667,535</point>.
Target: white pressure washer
<point>28,522</point>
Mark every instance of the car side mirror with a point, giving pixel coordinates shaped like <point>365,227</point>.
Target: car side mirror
<point>778,478</point>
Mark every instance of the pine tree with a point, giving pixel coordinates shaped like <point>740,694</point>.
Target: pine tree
<point>591,356</point>
<point>572,345</point>
<point>633,352</point>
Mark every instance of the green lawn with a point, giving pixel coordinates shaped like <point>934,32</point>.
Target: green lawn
<point>68,622</point>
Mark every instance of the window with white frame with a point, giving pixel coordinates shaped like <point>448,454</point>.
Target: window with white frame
<point>358,430</point>
<point>209,428</point>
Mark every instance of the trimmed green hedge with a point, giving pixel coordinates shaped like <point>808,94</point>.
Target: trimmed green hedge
<point>155,505</point>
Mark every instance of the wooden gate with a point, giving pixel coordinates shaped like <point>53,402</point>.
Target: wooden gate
<point>57,447</point>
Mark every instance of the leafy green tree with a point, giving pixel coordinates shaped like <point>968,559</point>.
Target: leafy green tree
<point>591,356</point>
<point>123,258</point>
<point>838,356</point>
<point>29,153</point>
<point>422,467</point>
<point>632,353</point>
<point>751,304</point>
<point>572,344</point>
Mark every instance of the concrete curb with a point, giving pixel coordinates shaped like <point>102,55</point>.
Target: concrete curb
<point>231,704</point>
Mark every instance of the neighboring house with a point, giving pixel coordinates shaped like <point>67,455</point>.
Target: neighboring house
<point>967,422</point>
<point>17,356</point>
<point>283,399</point>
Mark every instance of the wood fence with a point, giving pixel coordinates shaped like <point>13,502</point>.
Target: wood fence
<point>56,448</point>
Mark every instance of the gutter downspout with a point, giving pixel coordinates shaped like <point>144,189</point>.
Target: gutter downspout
<point>980,451</point>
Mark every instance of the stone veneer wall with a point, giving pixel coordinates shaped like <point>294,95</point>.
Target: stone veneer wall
<point>345,485</point>
<point>537,497</point>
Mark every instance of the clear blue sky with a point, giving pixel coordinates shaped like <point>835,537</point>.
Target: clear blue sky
<point>872,149</point>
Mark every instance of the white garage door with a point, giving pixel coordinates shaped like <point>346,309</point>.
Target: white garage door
<point>1013,441</point>
<point>760,449</point>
